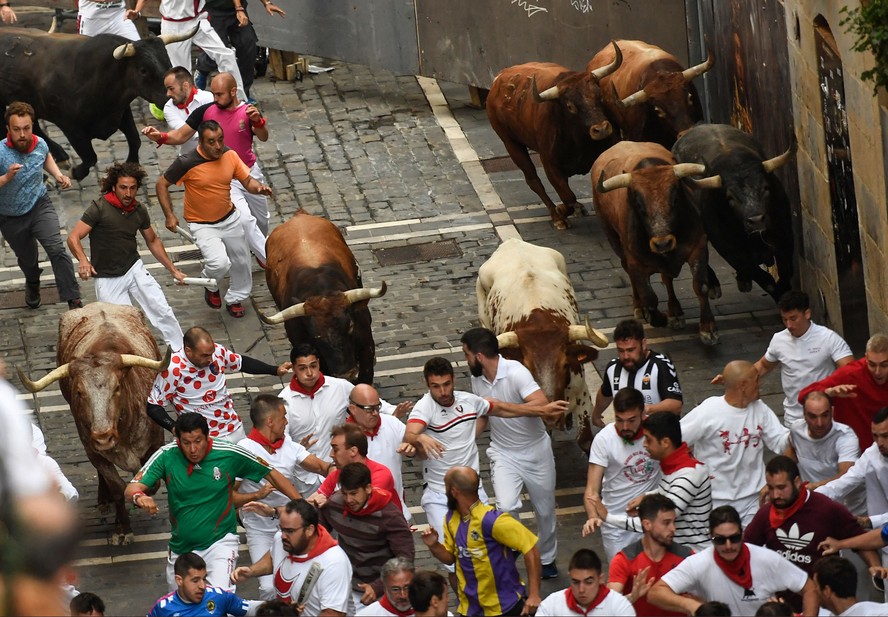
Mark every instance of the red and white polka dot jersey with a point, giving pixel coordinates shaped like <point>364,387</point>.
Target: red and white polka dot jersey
<point>200,390</point>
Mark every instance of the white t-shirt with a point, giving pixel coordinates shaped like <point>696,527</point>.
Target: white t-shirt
<point>377,610</point>
<point>613,604</point>
<point>701,576</point>
<point>286,460</point>
<point>454,427</point>
<point>20,472</point>
<point>866,608</point>
<point>819,458</point>
<point>513,383</point>
<point>731,441</point>
<point>629,471</point>
<point>200,390</point>
<point>804,360</point>
<point>333,587</point>
<point>871,472</point>
<point>382,448</point>
<point>175,116</point>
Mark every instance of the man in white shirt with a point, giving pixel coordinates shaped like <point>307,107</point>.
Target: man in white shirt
<point>805,352</point>
<point>619,469</point>
<point>741,575</point>
<point>269,441</point>
<point>587,594</point>
<point>728,433</point>
<point>105,17</point>
<point>520,450</point>
<point>823,448</point>
<point>315,404</point>
<point>397,575</point>
<point>310,568</point>
<point>184,99</point>
<point>442,428</point>
<point>836,582</point>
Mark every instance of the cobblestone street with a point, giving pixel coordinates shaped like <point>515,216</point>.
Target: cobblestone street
<point>395,161</point>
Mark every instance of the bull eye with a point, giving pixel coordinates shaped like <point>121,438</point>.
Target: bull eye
<point>571,107</point>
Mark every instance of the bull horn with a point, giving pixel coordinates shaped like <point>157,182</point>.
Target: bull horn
<point>699,69</point>
<point>620,181</point>
<point>167,39</point>
<point>587,333</point>
<point>507,340</point>
<point>604,71</point>
<point>712,182</point>
<point>50,378</point>
<point>127,360</point>
<point>53,26</point>
<point>683,170</point>
<point>359,295</point>
<point>127,50</point>
<point>636,98</point>
<point>291,312</point>
<point>549,94</point>
<point>777,162</point>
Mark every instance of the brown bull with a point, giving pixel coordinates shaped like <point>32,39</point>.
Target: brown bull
<point>652,229</point>
<point>316,284</point>
<point>107,360</point>
<point>655,98</point>
<point>564,123</point>
<point>526,298</point>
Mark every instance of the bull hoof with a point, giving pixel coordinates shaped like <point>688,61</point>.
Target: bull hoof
<point>639,314</point>
<point>560,224</point>
<point>121,539</point>
<point>655,318</point>
<point>715,292</point>
<point>745,286</point>
<point>677,322</point>
<point>710,339</point>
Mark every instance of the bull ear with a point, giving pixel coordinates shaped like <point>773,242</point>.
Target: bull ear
<point>604,71</point>
<point>620,181</point>
<point>771,165</point>
<point>696,71</point>
<point>582,353</point>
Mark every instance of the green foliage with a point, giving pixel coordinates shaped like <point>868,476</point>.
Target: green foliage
<point>869,23</point>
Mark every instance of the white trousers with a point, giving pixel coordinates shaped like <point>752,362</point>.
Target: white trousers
<point>253,210</point>
<point>207,39</point>
<point>533,469</point>
<point>111,20</point>
<point>259,542</point>
<point>616,540</point>
<point>434,504</point>
<point>224,250</point>
<point>138,284</point>
<point>221,558</point>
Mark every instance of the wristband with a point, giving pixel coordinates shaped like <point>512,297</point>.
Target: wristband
<point>260,124</point>
<point>240,9</point>
<point>163,138</point>
<point>274,514</point>
<point>136,497</point>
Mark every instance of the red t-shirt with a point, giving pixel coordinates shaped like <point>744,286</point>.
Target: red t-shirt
<point>857,412</point>
<point>632,559</point>
<point>380,477</point>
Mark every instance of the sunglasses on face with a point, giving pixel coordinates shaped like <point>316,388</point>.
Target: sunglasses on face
<point>368,408</point>
<point>721,540</point>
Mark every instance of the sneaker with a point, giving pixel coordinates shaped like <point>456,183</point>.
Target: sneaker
<point>212,298</point>
<point>236,310</point>
<point>32,294</point>
<point>156,111</point>
<point>550,570</point>
<point>76,303</point>
<point>200,80</point>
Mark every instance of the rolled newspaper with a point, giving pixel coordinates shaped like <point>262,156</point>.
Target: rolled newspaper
<point>184,234</point>
<point>201,282</point>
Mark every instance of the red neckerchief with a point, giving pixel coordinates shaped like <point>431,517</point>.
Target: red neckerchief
<point>325,541</point>
<point>738,570</point>
<point>112,199</point>
<point>679,459</point>
<point>573,605</point>
<point>384,603</point>
<point>778,516</point>
<point>378,499</point>
<point>33,145</point>
<point>295,386</point>
<point>262,440</point>
<point>371,433</point>
<point>635,437</point>
<point>190,98</point>
<point>190,464</point>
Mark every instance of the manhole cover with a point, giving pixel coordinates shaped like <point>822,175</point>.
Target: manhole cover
<point>413,253</point>
<point>505,163</point>
<point>189,255</point>
<point>16,299</point>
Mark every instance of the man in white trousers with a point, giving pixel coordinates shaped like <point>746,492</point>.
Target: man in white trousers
<point>111,222</point>
<point>97,17</point>
<point>241,123</point>
<point>520,450</point>
<point>207,173</point>
<point>179,16</point>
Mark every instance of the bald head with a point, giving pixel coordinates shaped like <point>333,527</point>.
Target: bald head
<point>364,394</point>
<point>736,371</point>
<point>464,480</point>
<point>225,80</point>
<point>224,89</point>
<point>741,383</point>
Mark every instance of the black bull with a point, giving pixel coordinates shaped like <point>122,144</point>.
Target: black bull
<point>84,85</point>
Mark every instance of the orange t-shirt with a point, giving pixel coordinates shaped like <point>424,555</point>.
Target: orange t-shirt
<point>207,183</point>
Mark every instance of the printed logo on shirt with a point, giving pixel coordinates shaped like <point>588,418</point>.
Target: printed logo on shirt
<point>795,541</point>
<point>646,382</point>
<point>209,396</point>
<point>284,586</point>
<point>749,595</point>
<point>475,535</point>
<point>745,438</point>
<point>638,467</point>
<point>211,606</point>
<point>217,475</point>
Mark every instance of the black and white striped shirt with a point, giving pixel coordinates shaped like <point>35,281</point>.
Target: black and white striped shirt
<point>656,379</point>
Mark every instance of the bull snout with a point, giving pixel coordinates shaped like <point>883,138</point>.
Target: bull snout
<point>663,244</point>
<point>756,223</point>
<point>105,440</point>
<point>600,131</point>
